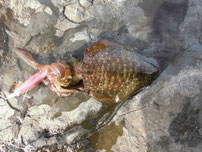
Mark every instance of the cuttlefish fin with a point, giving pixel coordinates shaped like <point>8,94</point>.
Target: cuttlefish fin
<point>96,48</point>
<point>104,45</point>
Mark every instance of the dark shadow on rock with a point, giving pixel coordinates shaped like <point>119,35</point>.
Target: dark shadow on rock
<point>123,36</point>
<point>3,37</point>
<point>50,4</point>
<point>184,127</point>
<point>166,30</point>
<point>3,42</point>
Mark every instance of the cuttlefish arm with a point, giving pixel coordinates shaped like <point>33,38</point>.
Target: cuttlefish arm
<point>29,84</point>
<point>27,58</point>
<point>34,80</point>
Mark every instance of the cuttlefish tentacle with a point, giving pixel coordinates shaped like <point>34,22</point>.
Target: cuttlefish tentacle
<point>54,72</point>
<point>29,59</point>
<point>29,84</point>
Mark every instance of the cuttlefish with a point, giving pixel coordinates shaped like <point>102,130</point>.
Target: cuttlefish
<point>109,72</point>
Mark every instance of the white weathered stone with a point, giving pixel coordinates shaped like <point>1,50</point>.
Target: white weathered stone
<point>86,3</point>
<point>76,13</point>
<point>48,10</point>
<point>64,25</point>
<point>44,9</point>
<point>59,33</point>
<point>79,36</point>
<point>20,11</point>
<point>94,33</point>
<point>6,132</point>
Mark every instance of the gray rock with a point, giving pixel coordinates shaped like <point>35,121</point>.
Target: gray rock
<point>60,3</point>
<point>79,36</point>
<point>75,13</point>
<point>63,25</point>
<point>6,128</point>
<point>168,112</point>
<point>39,123</point>
<point>86,3</point>
<point>165,116</point>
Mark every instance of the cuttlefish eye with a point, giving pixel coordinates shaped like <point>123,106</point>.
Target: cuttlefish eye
<point>65,81</point>
<point>69,77</point>
<point>62,73</point>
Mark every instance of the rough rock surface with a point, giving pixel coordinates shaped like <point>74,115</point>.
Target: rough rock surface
<point>164,117</point>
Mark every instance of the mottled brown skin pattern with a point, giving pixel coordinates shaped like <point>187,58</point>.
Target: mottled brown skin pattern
<point>111,72</point>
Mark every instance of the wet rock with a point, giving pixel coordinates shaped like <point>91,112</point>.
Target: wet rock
<point>40,128</point>
<point>19,9</point>
<point>86,3</point>
<point>6,14</point>
<point>94,34</point>
<point>185,126</point>
<point>75,13</point>
<point>39,23</point>
<point>79,36</point>
<point>4,37</point>
<point>7,129</point>
<point>61,3</point>
<point>73,133</point>
<point>100,140</point>
<point>3,42</point>
<point>147,121</point>
<point>200,132</point>
<point>165,116</point>
<point>63,25</point>
<point>45,9</point>
<point>41,44</point>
